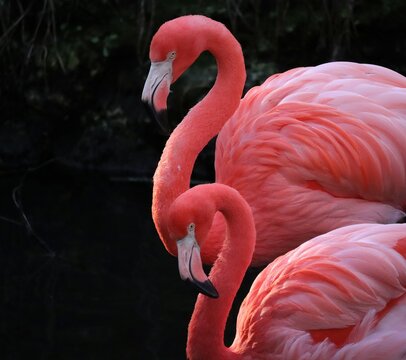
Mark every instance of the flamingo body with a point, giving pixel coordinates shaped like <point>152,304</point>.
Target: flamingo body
<point>313,148</point>
<point>310,149</point>
<point>341,295</point>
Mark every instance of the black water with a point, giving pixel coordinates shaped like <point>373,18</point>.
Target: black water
<point>85,275</point>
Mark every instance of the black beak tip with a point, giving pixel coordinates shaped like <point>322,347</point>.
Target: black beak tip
<point>206,288</point>
<point>161,117</point>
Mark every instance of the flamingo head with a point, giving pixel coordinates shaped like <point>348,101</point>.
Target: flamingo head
<point>174,48</point>
<point>190,219</point>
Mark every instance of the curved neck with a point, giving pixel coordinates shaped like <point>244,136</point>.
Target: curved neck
<point>206,328</point>
<point>203,122</point>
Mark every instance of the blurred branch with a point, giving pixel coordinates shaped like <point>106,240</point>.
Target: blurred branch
<point>339,25</point>
<point>145,27</point>
<point>19,205</point>
<point>12,221</point>
<point>7,30</point>
<point>29,30</point>
<point>235,13</point>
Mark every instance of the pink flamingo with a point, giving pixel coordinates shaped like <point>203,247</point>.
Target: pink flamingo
<point>311,149</point>
<point>339,296</point>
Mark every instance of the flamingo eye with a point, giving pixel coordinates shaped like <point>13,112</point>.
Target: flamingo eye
<point>191,228</point>
<point>171,55</point>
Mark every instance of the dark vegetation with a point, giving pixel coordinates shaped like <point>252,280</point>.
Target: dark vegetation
<point>83,274</point>
<point>72,71</point>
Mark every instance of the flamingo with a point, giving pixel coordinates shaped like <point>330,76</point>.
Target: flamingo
<point>311,149</point>
<point>341,295</point>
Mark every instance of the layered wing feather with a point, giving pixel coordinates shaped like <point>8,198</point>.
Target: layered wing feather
<point>344,283</point>
<point>348,145</point>
<point>317,148</point>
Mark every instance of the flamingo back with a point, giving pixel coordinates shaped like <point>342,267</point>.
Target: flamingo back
<point>313,148</point>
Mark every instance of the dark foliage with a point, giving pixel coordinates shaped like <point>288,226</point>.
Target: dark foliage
<point>72,71</point>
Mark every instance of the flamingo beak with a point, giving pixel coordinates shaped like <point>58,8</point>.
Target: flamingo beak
<point>190,265</point>
<point>156,91</point>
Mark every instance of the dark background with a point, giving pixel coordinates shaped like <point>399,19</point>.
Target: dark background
<point>83,274</point>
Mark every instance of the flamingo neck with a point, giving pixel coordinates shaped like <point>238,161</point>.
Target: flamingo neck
<point>202,123</point>
<point>206,328</point>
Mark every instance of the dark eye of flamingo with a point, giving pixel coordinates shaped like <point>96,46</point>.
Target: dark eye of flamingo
<point>171,55</point>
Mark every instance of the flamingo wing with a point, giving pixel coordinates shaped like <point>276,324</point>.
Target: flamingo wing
<point>340,292</point>
<point>348,146</point>
<point>308,84</point>
<point>314,147</point>
<point>317,147</point>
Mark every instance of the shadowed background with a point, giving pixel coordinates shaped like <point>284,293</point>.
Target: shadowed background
<point>83,273</point>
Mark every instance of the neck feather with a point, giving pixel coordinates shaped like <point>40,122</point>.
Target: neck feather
<point>206,328</point>
<point>201,124</point>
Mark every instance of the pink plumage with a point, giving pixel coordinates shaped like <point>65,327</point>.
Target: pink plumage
<point>311,149</point>
<point>314,148</point>
<point>339,296</point>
